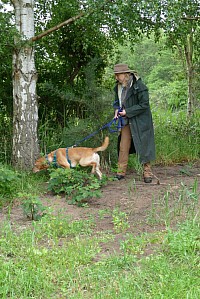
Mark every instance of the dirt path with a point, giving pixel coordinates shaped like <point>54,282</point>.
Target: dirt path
<point>147,206</point>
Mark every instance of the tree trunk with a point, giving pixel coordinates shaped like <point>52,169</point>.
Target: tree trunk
<point>190,74</point>
<point>25,108</point>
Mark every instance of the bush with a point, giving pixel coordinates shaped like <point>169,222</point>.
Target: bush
<point>9,182</point>
<point>77,185</point>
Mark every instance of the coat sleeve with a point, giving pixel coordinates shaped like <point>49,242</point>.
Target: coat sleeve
<point>140,103</point>
<point>116,102</point>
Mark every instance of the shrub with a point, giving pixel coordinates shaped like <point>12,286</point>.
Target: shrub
<point>77,185</point>
<point>9,182</point>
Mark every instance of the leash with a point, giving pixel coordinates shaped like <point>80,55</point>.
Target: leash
<point>118,123</point>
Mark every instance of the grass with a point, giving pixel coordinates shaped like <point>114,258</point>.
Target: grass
<point>176,137</point>
<point>54,258</point>
<point>179,203</point>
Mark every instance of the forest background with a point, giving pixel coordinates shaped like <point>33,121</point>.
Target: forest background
<point>75,73</point>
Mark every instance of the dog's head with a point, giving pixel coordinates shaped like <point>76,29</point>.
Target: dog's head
<point>40,164</point>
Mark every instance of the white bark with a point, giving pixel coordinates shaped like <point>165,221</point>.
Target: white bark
<point>25,108</point>
<point>190,74</point>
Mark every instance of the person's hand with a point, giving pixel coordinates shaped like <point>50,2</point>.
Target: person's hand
<point>122,113</point>
<point>116,114</point>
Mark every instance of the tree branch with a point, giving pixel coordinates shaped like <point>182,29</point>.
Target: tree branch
<point>46,32</point>
<point>191,18</point>
<point>41,35</point>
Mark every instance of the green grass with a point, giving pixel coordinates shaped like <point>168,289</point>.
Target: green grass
<point>171,205</point>
<point>177,137</point>
<point>55,258</point>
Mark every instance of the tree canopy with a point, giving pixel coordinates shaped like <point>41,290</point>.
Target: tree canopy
<point>76,41</point>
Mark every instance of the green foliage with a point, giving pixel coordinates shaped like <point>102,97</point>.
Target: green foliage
<point>172,96</point>
<point>177,137</point>
<point>32,206</point>
<point>7,32</point>
<point>13,183</point>
<point>9,182</point>
<point>68,58</point>
<point>184,242</point>
<point>6,105</point>
<point>5,135</point>
<point>120,220</point>
<point>77,185</point>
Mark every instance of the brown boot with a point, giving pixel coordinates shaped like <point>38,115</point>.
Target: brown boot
<point>147,174</point>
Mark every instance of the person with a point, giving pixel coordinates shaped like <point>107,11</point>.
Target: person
<point>132,104</point>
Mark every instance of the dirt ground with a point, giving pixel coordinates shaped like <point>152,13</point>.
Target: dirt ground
<point>147,206</point>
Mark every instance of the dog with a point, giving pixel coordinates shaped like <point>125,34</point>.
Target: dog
<point>72,156</point>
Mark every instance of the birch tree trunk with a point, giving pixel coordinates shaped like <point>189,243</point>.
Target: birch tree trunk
<point>25,108</point>
<point>190,74</point>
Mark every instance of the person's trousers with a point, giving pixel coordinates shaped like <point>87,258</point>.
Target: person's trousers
<point>125,145</point>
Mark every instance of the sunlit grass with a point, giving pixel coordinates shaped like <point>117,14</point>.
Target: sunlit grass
<point>39,262</point>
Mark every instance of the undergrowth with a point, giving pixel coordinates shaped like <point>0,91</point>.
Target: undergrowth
<point>77,185</point>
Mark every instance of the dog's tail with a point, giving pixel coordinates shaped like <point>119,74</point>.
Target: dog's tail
<point>103,147</point>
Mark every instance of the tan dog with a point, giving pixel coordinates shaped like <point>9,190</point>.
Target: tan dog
<point>72,156</point>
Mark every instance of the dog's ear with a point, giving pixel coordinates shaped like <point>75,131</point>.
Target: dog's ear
<point>40,164</point>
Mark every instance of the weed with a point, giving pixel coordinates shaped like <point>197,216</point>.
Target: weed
<point>120,220</point>
<point>55,259</point>
<point>55,227</point>
<point>32,206</point>
<point>104,213</point>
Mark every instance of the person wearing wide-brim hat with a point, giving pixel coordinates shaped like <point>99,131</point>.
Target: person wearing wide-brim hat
<point>137,133</point>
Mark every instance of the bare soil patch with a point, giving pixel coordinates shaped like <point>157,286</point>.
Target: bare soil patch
<point>146,205</point>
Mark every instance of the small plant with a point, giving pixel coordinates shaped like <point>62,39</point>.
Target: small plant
<point>104,213</point>
<point>33,207</point>
<point>120,220</point>
<point>9,182</point>
<point>77,185</point>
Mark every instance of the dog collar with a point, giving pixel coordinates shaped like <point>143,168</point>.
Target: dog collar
<point>53,161</point>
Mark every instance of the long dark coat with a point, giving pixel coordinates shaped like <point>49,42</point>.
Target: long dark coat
<point>140,120</point>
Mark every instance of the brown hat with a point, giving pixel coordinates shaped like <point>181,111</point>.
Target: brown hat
<point>121,68</point>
